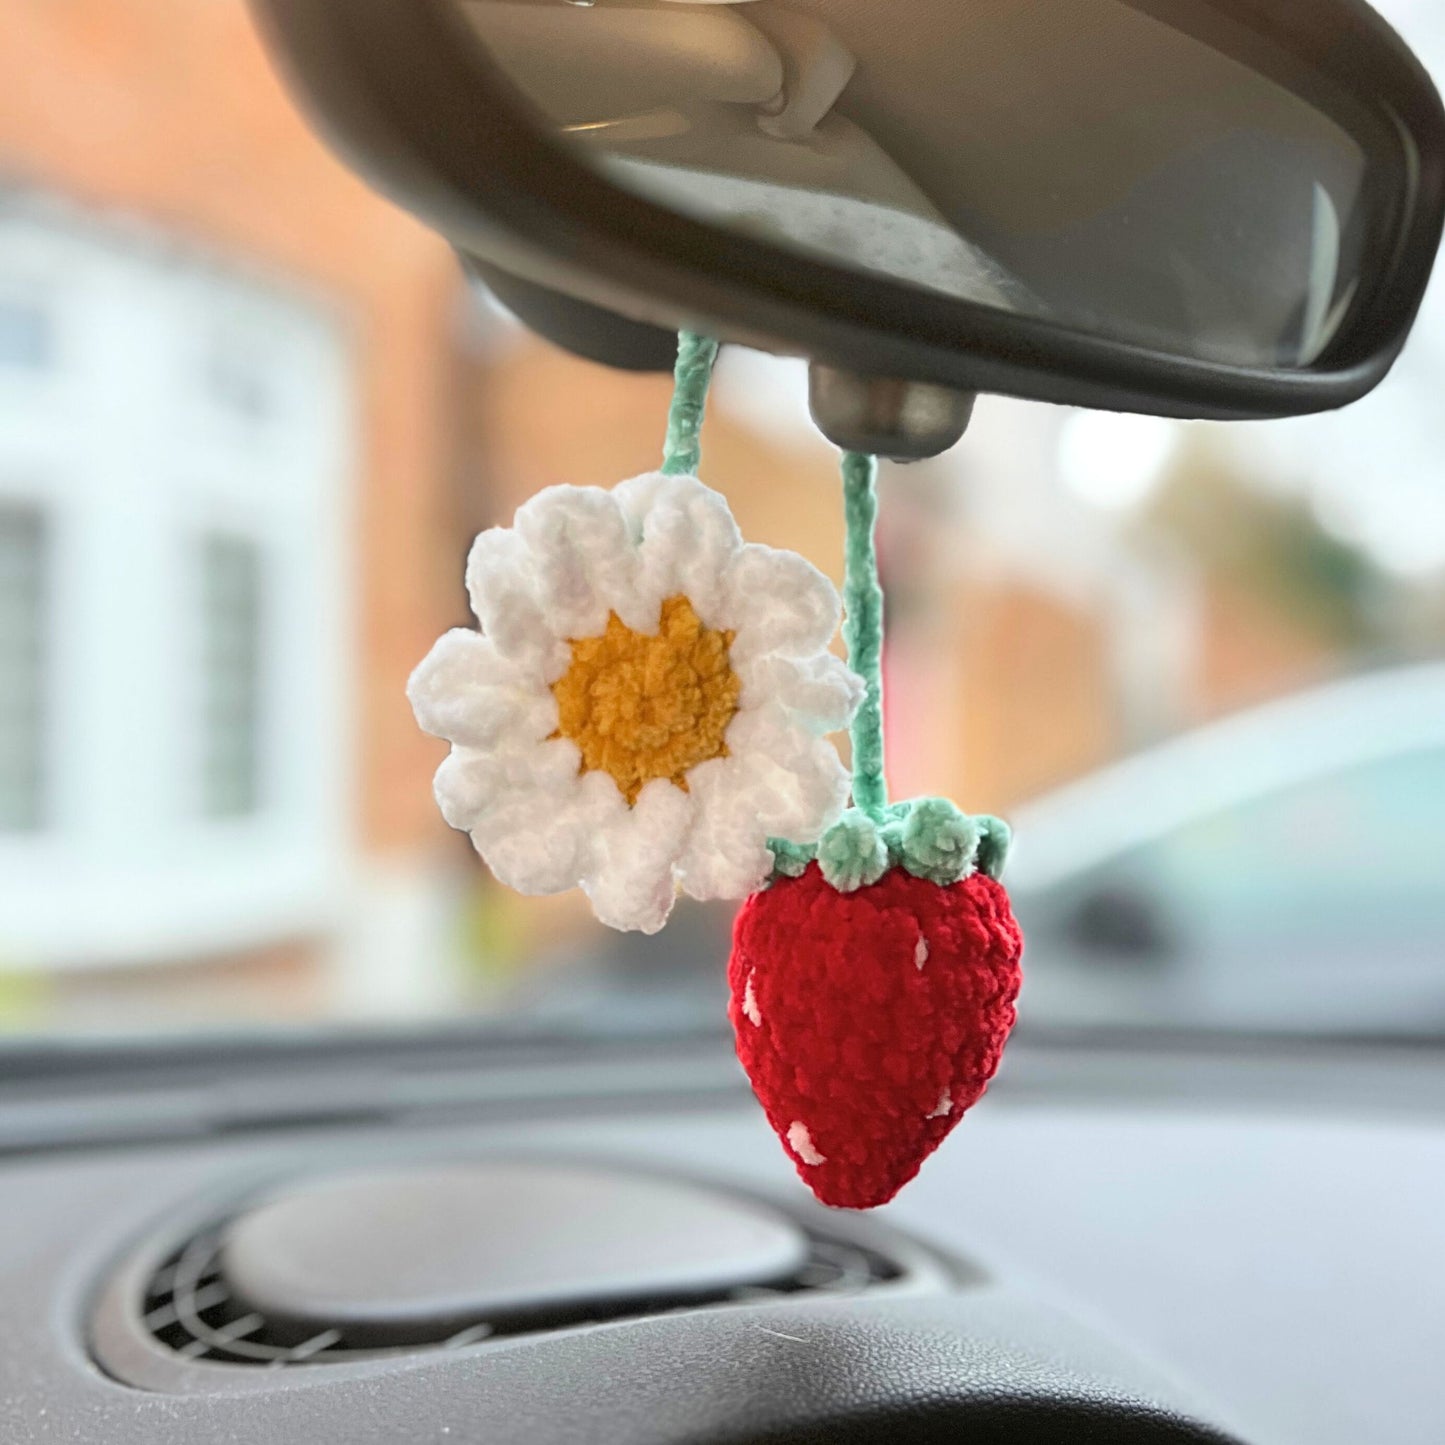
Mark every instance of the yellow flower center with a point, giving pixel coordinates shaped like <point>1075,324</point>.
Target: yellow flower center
<point>643,707</point>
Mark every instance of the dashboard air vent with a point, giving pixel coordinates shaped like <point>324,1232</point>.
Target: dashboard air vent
<point>372,1266</point>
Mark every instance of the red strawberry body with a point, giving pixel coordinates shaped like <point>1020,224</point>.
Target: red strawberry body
<point>869,1022</point>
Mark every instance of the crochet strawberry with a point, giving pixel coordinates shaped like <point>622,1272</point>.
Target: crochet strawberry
<point>870,1021</point>
<point>874,983</point>
<point>608,733</point>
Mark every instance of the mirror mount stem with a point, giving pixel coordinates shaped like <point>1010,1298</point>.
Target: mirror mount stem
<point>905,421</point>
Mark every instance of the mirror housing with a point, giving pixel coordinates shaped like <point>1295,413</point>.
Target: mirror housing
<point>405,91</point>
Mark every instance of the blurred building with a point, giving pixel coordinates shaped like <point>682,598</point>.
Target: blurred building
<point>227,396</point>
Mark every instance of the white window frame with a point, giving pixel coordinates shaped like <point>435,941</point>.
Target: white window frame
<point>133,462</point>
<point>33,735</point>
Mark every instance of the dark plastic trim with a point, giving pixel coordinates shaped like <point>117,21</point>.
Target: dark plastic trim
<point>403,89</point>
<point>589,331</point>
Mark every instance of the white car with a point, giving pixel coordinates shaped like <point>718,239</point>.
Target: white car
<point>1281,870</point>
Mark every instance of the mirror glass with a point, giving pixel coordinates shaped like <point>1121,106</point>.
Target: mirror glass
<point>1144,170</point>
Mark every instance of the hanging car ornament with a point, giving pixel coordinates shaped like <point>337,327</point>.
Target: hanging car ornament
<point>644,711</point>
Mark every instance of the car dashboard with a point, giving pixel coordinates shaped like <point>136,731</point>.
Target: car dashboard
<point>1178,1241</point>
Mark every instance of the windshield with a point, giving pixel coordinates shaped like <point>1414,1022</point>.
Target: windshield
<point>251,417</point>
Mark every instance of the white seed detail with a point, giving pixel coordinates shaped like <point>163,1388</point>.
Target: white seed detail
<point>944,1107</point>
<point>801,1143</point>
<point>920,954</point>
<point>751,1011</point>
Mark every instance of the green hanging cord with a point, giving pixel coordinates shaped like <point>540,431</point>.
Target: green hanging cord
<point>695,358</point>
<point>863,631</point>
<point>929,837</point>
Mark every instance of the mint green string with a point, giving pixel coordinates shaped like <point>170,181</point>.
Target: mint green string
<point>696,355</point>
<point>863,631</point>
<point>862,594</point>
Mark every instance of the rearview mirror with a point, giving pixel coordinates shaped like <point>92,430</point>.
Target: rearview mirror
<point>1206,208</point>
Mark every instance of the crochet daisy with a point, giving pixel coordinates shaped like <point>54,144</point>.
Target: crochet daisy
<point>645,703</point>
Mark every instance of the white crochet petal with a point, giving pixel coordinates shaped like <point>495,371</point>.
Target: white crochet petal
<point>634,885</point>
<point>547,844</point>
<point>501,581</point>
<point>798,781</point>
<point>530,815</point>
<point>821,692</point>
<point>466,692</point>
<point>635,499</point>
<point>474,783</point>
<point>727,853</point>
<point>583,559</point>
<point>687,540</point>
<point>778,602</point>
<point>464,785</point>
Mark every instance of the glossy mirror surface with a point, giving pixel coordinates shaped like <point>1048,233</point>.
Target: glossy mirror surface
<point>1148,171</point>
